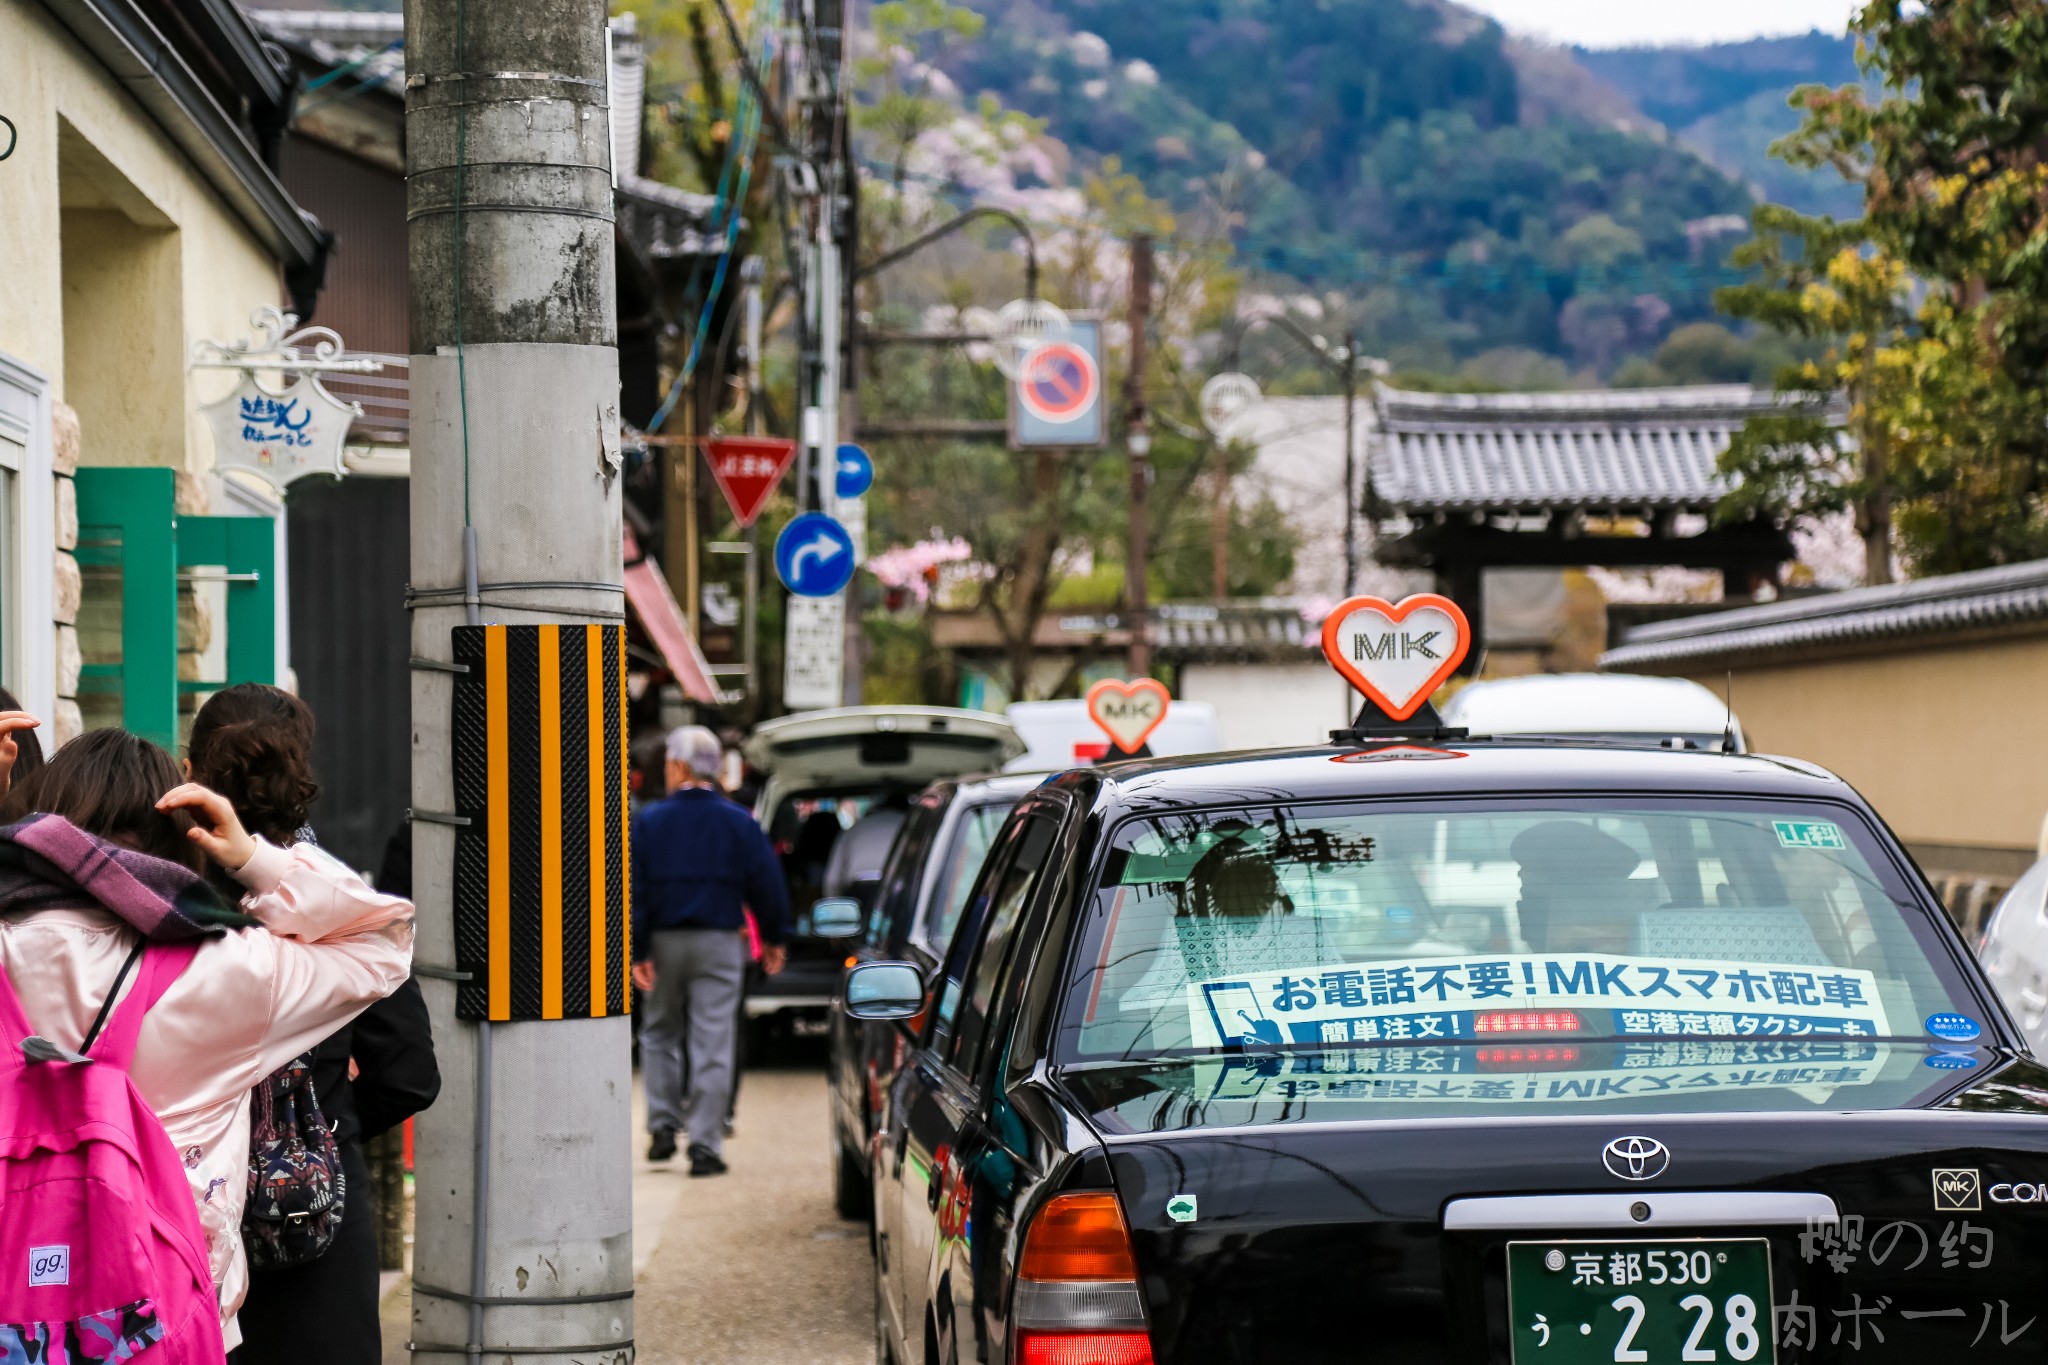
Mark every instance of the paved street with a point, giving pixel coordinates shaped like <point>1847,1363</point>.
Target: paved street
<point>752,1268</point>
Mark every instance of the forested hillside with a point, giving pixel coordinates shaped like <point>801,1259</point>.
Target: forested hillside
<point>1727,102</point>
<point>1383,150</point>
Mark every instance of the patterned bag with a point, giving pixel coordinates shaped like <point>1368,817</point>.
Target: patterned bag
<point>297,1188</point>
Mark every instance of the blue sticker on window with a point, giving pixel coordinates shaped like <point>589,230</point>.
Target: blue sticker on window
<point>1951,1061</point>
<point>1953,1028</point>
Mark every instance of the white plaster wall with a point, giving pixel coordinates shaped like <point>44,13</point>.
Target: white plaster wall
<point>1264,706</point>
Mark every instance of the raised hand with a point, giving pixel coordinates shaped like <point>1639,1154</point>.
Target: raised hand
<point>10,748</point>
<point>218,830</point>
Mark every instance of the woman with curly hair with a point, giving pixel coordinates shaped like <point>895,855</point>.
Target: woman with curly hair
<point>254,744</point>
<point>103,851</point>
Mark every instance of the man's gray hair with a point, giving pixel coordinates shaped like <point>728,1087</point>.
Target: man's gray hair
<point>698,748</point>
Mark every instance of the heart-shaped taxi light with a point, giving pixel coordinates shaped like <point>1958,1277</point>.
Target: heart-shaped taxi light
<point>1128,712</point>
<point>1397,655</point>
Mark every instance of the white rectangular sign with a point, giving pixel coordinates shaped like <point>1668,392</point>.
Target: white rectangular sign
<point>813,652</point>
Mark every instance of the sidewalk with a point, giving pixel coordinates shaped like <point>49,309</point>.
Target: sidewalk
<point>748,1268</point>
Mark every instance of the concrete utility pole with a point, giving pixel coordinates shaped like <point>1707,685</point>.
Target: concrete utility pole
<point>751,273</point>
<point>819,668</point>
<point>1138,441</point>
<point>525,1221</point>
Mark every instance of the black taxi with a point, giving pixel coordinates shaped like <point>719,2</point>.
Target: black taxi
<point>1420,1048</point>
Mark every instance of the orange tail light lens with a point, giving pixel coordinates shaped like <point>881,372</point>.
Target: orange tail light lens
<point>1078,1237</point>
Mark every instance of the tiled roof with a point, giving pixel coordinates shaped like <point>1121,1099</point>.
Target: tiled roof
<point>1987,599</point>
<point>1536,452</point>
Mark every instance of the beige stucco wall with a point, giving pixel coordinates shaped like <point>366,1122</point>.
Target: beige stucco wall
<point>149,250</point>
<point>1948,740</point>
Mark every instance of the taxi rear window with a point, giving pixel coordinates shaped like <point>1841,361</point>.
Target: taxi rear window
<point>1313,926</point>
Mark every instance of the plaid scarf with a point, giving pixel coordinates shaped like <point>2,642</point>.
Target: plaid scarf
<point>46,862</point>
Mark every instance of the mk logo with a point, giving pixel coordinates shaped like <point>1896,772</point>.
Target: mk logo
<point>1957,1190</point>
<point>1384,645</point>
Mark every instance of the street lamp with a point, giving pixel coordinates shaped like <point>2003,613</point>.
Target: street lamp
<point>1344,362</point>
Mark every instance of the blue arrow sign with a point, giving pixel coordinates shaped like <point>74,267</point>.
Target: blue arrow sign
<point>855,472</point>
<point>814,556</point>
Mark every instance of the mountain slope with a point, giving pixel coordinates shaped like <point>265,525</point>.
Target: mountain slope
<point>1727,102</point>
<point>1384,149</point>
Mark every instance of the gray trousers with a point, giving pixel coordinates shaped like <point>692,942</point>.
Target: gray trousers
<point>695,1004</point>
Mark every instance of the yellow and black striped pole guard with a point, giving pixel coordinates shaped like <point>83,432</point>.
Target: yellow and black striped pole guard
<point>542,905</point>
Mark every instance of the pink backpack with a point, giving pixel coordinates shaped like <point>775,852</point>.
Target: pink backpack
<point>101,1256</point>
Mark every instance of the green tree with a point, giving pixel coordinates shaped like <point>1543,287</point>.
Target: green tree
<point>1946,398</point>
<point>1818,280</point>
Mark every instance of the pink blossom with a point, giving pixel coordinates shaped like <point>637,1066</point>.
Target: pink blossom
<point>914,567</point>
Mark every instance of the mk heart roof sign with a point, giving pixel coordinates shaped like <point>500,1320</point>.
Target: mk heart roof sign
<point>1128,712</point>
<point>1397,655</point>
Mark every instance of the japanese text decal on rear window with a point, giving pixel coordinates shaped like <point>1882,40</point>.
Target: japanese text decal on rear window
<point>1461,998</point>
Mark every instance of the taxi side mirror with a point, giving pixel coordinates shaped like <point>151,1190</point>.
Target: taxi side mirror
<point>883,990</point>
<point>837,917</point>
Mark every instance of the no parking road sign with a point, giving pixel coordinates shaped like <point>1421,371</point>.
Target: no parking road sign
<point>1059,382</point>
<point>1056,399</point>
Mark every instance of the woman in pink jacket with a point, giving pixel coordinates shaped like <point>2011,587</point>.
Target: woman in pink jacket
<point>116,856</point>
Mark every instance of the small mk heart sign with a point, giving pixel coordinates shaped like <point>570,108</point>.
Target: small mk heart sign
<point>1397,655</point>
<point>1128,712</point>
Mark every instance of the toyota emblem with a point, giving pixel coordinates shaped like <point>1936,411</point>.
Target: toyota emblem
<point>1636,1158</point>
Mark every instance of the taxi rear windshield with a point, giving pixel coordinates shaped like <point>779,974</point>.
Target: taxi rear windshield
<point>1297,927</point>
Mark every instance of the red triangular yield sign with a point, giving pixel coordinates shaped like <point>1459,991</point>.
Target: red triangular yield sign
<point>747,469</point>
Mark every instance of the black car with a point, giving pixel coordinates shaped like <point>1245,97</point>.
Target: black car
<point>1456,1052</point>
<point>924,886</point>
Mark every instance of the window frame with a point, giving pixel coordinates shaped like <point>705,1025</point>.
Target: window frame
<point>28,613</point>
<point>961,1054</point>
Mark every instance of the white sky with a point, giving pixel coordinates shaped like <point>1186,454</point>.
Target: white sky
<point>1625,23</point>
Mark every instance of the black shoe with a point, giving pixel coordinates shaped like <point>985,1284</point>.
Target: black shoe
<point>704,1161</point>
<point>663,1147</point>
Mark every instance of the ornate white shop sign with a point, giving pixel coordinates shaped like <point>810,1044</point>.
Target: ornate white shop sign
<point>279,422</point>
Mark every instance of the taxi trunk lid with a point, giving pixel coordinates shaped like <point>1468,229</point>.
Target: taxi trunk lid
<point>1312,1240</point>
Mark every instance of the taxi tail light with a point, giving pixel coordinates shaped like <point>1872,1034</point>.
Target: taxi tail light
<point>1527,1021</point>
<point>1084,1348</point>
<point>1527,1057</point>
<point>1077,1287</point>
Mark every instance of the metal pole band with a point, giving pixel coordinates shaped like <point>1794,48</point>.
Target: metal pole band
<point>562,210</point>
<point>428,1348</point>
<point>434,973</point>
<point>439,817</point>
<point>432,1291</point>
<point>421,80</point>
<point>415,594</point>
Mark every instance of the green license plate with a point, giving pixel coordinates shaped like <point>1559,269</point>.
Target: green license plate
<point>1672,1302</point>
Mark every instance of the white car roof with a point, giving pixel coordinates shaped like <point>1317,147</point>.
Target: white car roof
<point>1587,703</point>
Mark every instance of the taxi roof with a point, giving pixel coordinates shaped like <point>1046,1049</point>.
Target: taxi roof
<point>1565,764</point>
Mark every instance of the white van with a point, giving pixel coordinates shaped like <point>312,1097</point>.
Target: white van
<point>827,771</point>
<point>1617,706</point>
<point>1059,734</point>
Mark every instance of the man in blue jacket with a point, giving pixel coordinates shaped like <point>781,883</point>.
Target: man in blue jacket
<point>699,862</point>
